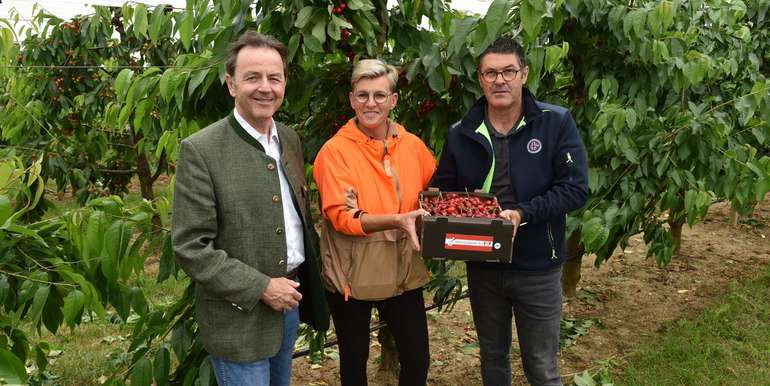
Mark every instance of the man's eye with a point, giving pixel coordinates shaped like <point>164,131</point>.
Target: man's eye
<point>380,96</point>
<point>509,73</point>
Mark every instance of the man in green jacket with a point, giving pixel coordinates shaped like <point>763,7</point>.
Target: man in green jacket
<point>242,228</point>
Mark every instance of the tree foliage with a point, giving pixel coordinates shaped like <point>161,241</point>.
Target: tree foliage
<point>671,98</point>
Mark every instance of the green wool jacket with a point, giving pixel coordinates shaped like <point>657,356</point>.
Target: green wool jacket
<point>227,232</point>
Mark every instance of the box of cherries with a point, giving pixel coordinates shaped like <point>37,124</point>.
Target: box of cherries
<point>464,226</point>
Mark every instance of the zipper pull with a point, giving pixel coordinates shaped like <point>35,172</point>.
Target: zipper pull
<point>346,292</point>
<point>570,162</point>
<point>386,160</point>
<point>553,255</point>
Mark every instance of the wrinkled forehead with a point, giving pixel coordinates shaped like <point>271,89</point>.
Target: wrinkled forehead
<point>259,60</point>
<point>499,61</point>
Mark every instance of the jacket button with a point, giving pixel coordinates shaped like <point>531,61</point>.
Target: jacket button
<point>270,167</point>
<point>276,198</point>
<point>279,231</point>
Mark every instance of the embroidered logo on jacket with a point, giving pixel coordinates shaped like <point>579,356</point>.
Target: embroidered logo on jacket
<point>534,146</point>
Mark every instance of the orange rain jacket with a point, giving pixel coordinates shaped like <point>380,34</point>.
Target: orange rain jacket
<point>356,263</point>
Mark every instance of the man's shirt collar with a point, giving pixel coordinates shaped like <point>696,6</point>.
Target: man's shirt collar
<point>253,132</point>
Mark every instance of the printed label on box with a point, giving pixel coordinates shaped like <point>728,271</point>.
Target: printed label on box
<point>468,242</point>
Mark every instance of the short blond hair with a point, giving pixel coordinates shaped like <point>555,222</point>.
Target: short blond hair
<point>373,69</point>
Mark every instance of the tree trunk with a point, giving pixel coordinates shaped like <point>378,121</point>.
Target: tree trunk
<point>570,271</point>
<point>387,372</point>
<point>676,232</point>
<point>145,177</point>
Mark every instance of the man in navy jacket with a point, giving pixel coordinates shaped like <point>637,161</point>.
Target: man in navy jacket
<point>530,155</point>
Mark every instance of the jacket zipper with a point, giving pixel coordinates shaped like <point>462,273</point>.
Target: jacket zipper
<point>551,241</point>
<point>570,165</point>
<point>391,173</point>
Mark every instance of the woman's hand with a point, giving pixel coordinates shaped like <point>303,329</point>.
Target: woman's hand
<point>408,223</point>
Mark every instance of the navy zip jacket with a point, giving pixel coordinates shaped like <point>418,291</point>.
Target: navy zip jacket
<point>548,169</point>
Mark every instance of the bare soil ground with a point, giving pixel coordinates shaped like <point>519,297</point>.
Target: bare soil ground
<point>629,297</point>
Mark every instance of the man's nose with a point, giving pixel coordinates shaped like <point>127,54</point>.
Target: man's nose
<point>263,84</point>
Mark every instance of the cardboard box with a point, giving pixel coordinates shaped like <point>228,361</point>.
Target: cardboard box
<point>466,238</point>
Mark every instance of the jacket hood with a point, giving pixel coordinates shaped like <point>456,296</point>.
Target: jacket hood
<point>476,113</point>
<point>351,131</point>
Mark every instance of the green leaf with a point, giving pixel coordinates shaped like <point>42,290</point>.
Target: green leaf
<point>186,30</point>
<point>495,18</point>
<point>73,307</point>
<point>594,234</point>
<point>167,260</point>
<point>593,89</point>
<point>360,5</point>
<point>304,16</point>
<point>319,29</point>
<point>757,131</point>
<point>689,204</point>
<point>436,80</point>
<point>618,120</point>
<point>38,302</point>
<point>142,114</point>
<point>165,85</point>
<point>5,288</point>
<point>293,45</point>
<point>628,149</point>
<point>141,374</point>
<point>52,312</point>
<point>743,33</point>
<point>122,81</point>
<point>313,44</point>
<point>667,13</point>
<point>631,118</point>
<point>5,208</point>
<point>205,372</point>
<point>138,301</point>
<point>530,19</point>
<point>552,57</point>
<point>6,172</point>
<point>634,20</point>
<point>584,379</point>
<point>196,80</point>
<point>157,19</point>
<point>140,21</point>
<point>161,366</point>
<point>116,239</point>
<point>12,370</point>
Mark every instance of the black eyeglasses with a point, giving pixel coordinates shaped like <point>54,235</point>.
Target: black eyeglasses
<point>509,74</point>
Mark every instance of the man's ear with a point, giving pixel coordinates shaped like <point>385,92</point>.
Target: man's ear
<point>524,74</point>
<point>230,84</point>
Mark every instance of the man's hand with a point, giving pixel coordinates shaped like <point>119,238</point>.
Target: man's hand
<point>513,216</point>
<point>408,223</point>
<point>281,294</point>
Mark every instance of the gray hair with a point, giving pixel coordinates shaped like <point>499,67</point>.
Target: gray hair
<point>373,69</point>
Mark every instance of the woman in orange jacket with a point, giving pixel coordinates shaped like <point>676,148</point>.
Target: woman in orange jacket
<point>370,175</point>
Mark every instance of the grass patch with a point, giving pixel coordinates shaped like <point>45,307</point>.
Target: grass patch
<point>95,348</point>
<point>728,344</point>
